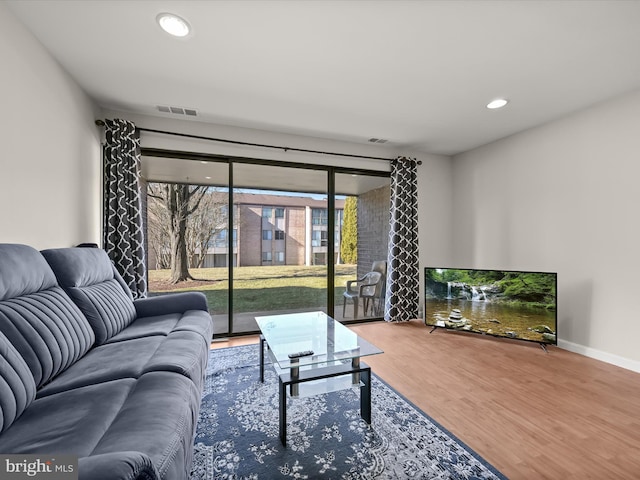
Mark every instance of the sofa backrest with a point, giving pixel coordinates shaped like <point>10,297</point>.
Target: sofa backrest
<point>17,387</point>
<point>37,317</point>
<point>90,279</point>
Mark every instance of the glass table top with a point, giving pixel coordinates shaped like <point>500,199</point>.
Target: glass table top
<point>329,340</point>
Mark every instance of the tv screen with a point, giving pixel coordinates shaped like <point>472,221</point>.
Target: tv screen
<point>511,304</point>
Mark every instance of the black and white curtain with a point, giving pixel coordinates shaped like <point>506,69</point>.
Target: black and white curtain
<point>124,238</point>
<point>403,289</point>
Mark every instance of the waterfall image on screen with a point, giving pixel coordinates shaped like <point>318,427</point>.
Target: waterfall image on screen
<point>511,304</point>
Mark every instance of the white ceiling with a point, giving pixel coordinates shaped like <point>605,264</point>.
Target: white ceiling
<point>417,73</point>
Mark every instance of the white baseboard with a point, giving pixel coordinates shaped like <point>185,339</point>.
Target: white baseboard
<point>600,355</point>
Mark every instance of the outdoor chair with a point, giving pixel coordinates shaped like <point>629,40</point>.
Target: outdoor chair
<point>378,302</point>
<point>366,288</point>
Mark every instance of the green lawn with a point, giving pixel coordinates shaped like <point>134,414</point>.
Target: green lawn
<point>259,288</point>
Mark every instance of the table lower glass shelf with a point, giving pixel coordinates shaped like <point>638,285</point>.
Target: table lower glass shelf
<point>323,385</point>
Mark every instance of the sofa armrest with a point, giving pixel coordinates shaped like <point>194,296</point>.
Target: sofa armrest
<point>171,303</point>
<point>117,465</point>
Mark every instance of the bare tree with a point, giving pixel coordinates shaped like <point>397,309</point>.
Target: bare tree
<point>203,225</point>
<point>179,201</point>
<point>158,232</point>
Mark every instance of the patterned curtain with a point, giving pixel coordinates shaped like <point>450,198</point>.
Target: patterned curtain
<point>124,239</point>
<point>403,290</point>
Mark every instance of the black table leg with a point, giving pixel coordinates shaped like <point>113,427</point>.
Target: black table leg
<point>295,376</point>
<point>365,395</point>
<point>262,359</point>
<point>283,412</point>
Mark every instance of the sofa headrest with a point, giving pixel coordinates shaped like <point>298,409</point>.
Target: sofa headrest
<point>92,282</point>
<point>79,267</point>
<point>23,271</point>
<point>17,386</point>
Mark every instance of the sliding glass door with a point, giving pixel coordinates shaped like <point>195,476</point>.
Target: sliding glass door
<point>283,246</point>
<point>190,242</point>
<point>362,234</point>
<point>260,238</point>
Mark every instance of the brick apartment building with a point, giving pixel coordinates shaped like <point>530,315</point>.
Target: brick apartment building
<point>276,230</point>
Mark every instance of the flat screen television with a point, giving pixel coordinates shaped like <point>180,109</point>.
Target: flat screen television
<point>510,304</point>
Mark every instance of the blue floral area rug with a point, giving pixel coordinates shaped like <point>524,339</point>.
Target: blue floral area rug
<point>237,433</point>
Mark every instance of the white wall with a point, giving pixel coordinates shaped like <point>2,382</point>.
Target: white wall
<point>435,215</point>
<point>563,197</point>
<point>193,127</point>
<point>49,147</point>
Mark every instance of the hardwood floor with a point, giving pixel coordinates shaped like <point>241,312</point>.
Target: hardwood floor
<point>531,414</point>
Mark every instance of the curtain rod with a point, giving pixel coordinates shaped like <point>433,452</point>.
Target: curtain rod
<point>262,145</point>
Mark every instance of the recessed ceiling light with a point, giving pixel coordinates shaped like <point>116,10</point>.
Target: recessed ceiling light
<point>497,103</point>
<point>173,24</point>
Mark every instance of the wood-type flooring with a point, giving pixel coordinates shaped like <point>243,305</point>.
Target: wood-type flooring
<point>531,414</point>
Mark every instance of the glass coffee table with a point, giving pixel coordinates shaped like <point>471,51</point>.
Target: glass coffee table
<point>329,359</point>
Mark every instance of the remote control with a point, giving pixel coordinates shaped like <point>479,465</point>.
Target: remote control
<point>304,353</point>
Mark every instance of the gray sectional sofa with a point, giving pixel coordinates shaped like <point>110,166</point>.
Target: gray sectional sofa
<point>86,370</point>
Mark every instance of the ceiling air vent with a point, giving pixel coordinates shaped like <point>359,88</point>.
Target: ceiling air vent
<point>190,112</point>
<point>378,140</point>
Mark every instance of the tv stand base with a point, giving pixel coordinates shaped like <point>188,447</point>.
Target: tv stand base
<point>543,346</point>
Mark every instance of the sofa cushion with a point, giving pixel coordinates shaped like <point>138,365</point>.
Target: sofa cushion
<point>88,276</point>
<point>17,387</point>
<point>106,306</point>
<point>105,363</point>
<point>180,352</point>
<point>147,326</point>
<point>185,353</point>
<point>37,317</point>
<point>73,421</point>
<point>197,321</point>
<point>160,413</point>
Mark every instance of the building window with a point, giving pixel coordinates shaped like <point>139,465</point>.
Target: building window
<point>319,238</point>
<point>266,212</point>
<point>219,239</point>
<point>280,257</point>
<point>279,212</point>
<point>324,238</point>
<point>266,256</point>
<point>267,234</point>
<point>279,235</point>
<point>319,216</point>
